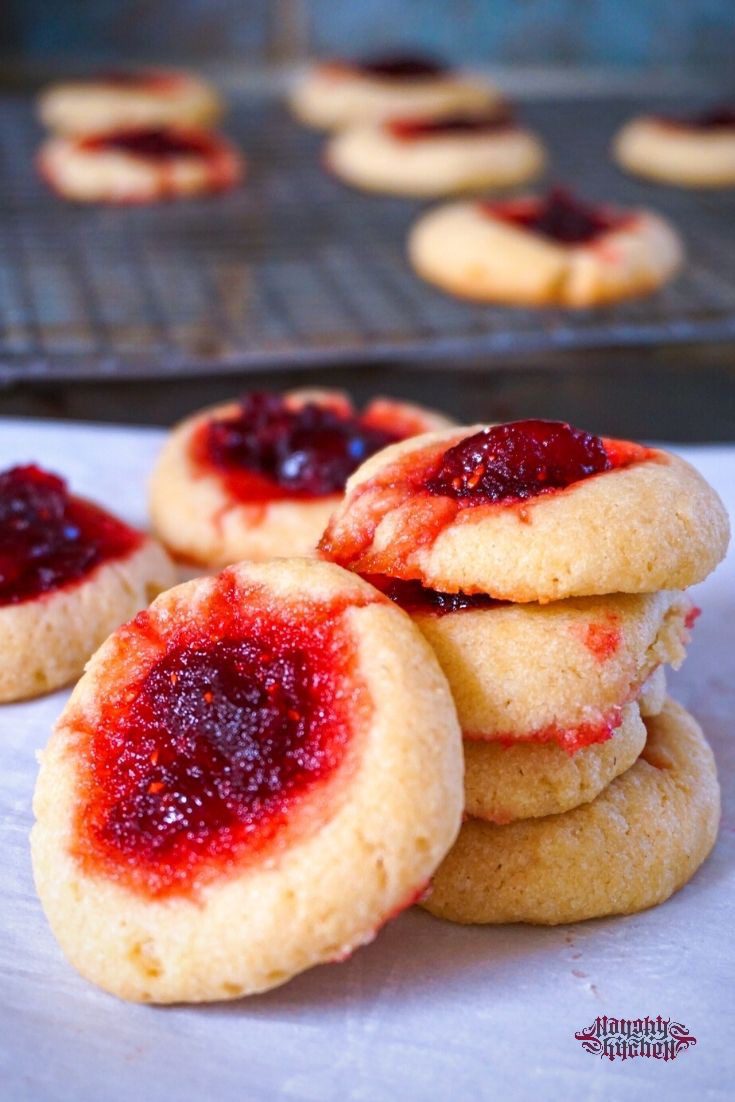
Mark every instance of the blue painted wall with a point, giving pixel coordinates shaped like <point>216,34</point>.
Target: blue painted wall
<point>632,33</point>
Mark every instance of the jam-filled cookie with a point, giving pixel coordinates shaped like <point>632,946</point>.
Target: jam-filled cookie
<point>505,780</point>
<point>429,156</point>
<point>337,93</point>
<point>70,573</point>
<point>544,251</point>
<point>529,511</point>
<point>698,151</point>
<point>251,778</point>
<point>262,476</point>
<point>638,842</point>
<point>560,672</point>
<point>140,165</point>
<point>142,98</point>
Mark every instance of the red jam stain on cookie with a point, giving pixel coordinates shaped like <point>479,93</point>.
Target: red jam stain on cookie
<point>603,638</point>
<point>721,117</point>
<point>559,216</point>
<point>691,617</point>
<point>270,450</point>
<point>227,748</point>
<point>429,489</point>
<point>415,129</point>
<point>153,143</point>
<point>399,67</point>
<point>49,539</point>
<point>570,739</point>
<point>148,80</point>
<point>416,599</point>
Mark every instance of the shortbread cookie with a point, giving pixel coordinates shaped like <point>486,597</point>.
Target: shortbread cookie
<point>694,152</point>
<point>70,573</point>
<point>529,511</point>
<point>146,98</point>
<point>429,156</point>
<point>550,251</point>
<point>334,94</point>
<point>139,166</point>
<point>559,672</point>
<point>251,778</point>
<point>262,477</point>
<point>505,781</point>
<point>653,694</point>
<point>642,839</point>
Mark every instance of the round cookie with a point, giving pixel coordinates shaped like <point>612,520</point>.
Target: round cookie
<point>559,672</point>
<point>428,157</point>
<point>695,152</point>
<point>653,694</point>
<point>220,513</point>
<point>146,98</point>
<point>70,573</point>
<point>506,781</point>
<point>140,165</point>
<point>551,251</point>
<point>629,849</point>
<point>334,94</point>
<point>529,511</point>
<point>227,762</point>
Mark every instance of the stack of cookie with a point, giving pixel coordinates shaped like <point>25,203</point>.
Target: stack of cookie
<point>546,567</point>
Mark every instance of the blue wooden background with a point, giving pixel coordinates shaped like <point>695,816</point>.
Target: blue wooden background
<point>631,33</point>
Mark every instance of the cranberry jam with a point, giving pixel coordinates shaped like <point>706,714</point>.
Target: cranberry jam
<point>559,216</point>
<point>721,117</point>
<point>517,461</point>
<point>209,757</point>
<point>401,67</point>
<point>416,129</point>
<point>49,539</point>
<point>269,449</point>
<point>153,143</point>
<point>153,80</point>
<point>415,598</point>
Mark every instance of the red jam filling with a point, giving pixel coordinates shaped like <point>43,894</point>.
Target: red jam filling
<point>415,129</point>
<point>415,598</point>
<point>431,488</point>
<point>49,539</point>
<point>153,143</point>
<point>153,80</point>
<point>401,67</point>
<point>517,461</point>
<point>270,449</point>
<point>226,748</point>
<point>559,216</point>
<point>721,117</point>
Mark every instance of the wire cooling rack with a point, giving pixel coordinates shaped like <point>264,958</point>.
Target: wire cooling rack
<point>294,269</point>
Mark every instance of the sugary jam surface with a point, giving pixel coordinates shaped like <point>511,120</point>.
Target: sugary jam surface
<point>570,739</point>
<point>270,450</point>
<point>400,67</point>
<point>721,117</point>
<point>415,598</point>
<point>226,747</point>
<point>517,461</point>
<point>152,143</point>
<point>470,124</point>
<point>49,539</point>
<point>559,216</point>
<point>430,488</point>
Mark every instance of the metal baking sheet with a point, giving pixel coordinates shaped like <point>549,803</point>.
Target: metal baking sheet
<point>294,269</point>
<point>429,1011</point>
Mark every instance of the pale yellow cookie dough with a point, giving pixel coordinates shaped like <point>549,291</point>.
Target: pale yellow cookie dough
<point>648,147</point>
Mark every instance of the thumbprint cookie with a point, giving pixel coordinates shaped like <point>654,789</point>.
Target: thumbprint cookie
<point>529,511</point>
<point>544,251</point>
<point>698,151</point>
<point>252,776</point>
<point>262,476</point>
<point>429,156</point>
<point>70,573</point>
<point>631,848</point>
<point>142,98</point>
<point>139,165</point>
<point>336,93</point>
